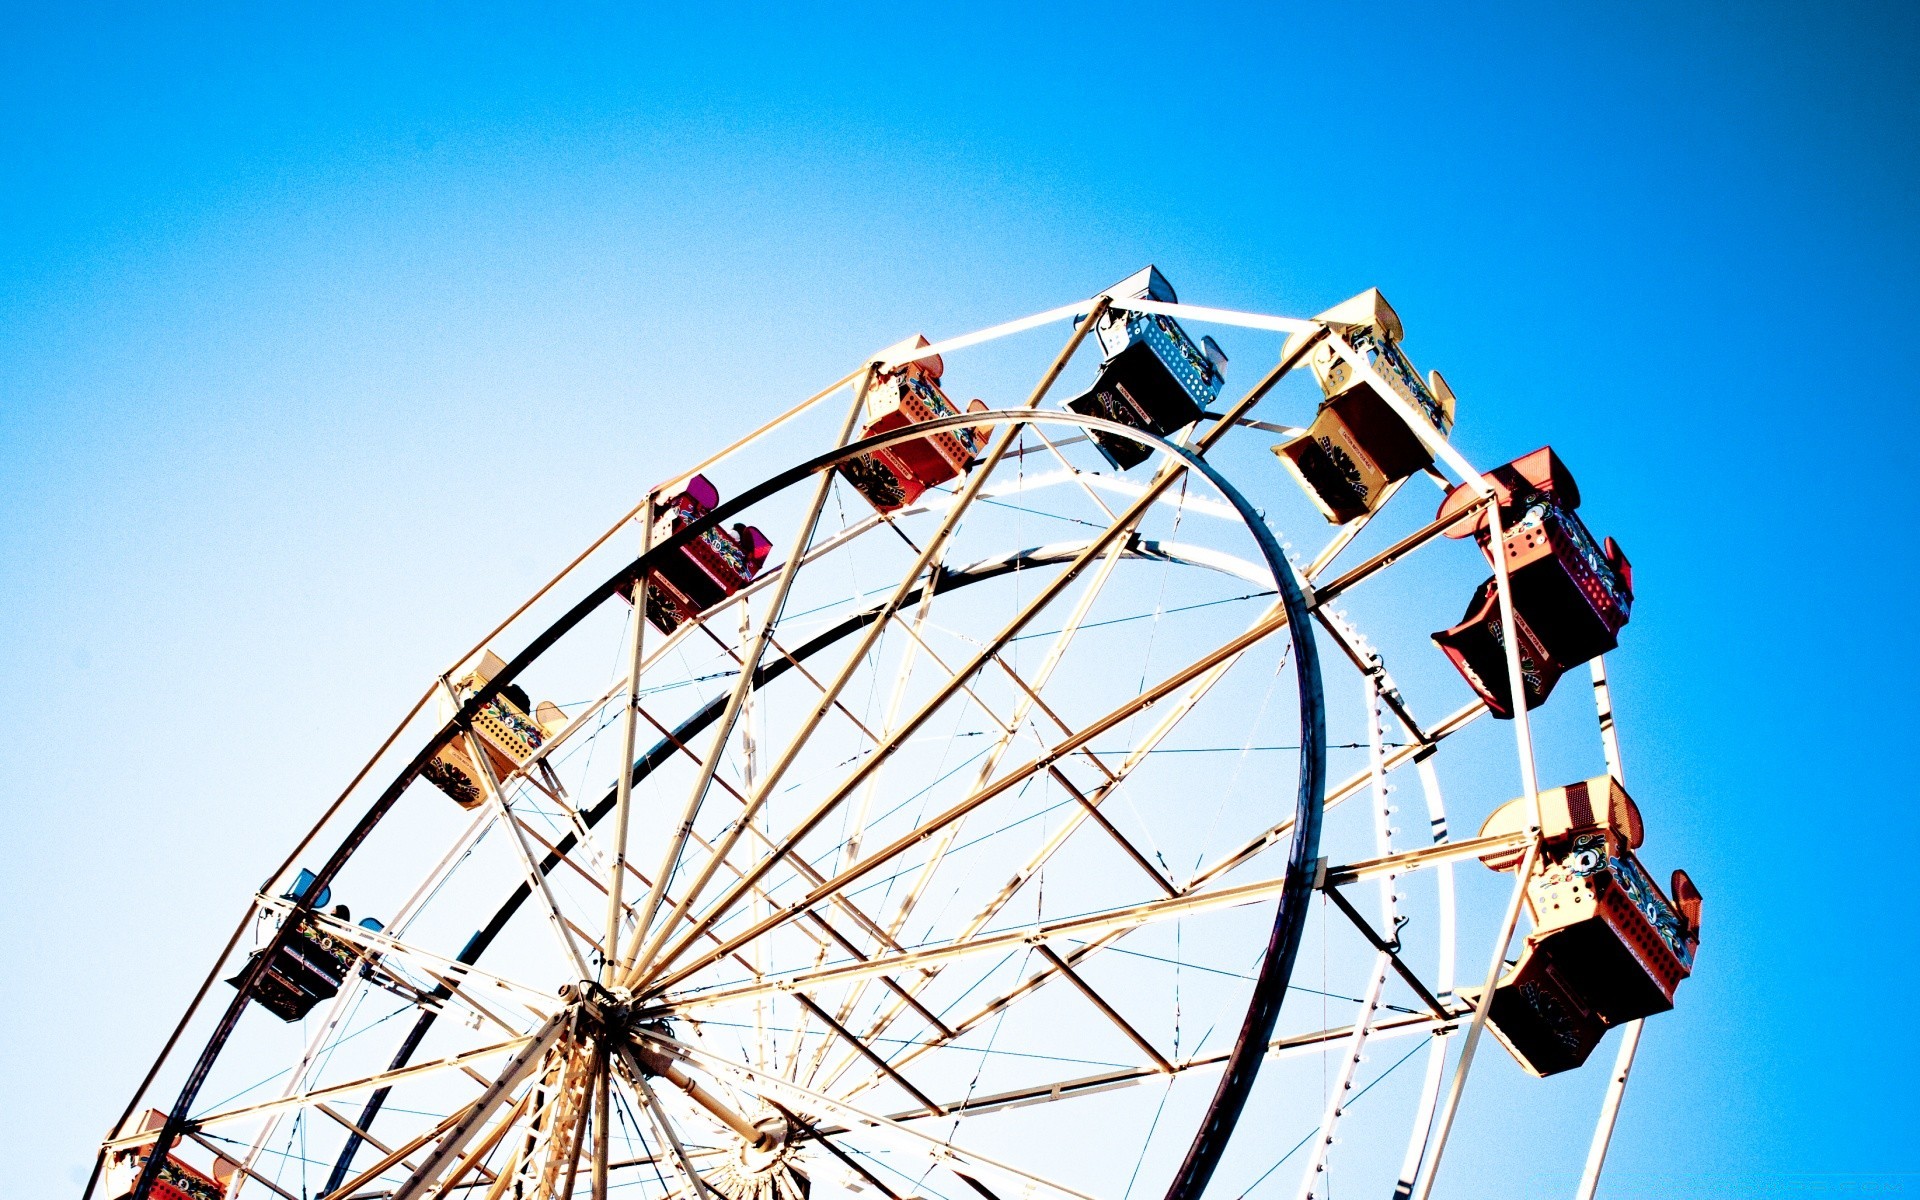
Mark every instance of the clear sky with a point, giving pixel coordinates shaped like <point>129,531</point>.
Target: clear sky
<point>287,293</point>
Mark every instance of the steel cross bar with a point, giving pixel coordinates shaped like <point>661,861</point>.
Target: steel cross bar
<point>935,546</point>
<point>1106,1009</point>
<point>1343,636</point>
<point>629,723</point>
<point>1126,917</point>
<point>1030,694</point>
<point>914,892</point>
<point>800,669</point>
<point>536,878</point>
<point>347,1123</point>
<point>1089,924</point>
<point>907,997</point>
<point>867,1052</point>
<point>312,1095</point>
<point>397,1156</point>
<point>1092,810</point>
<point>815,1133</point>
<point>1425,856</point>
<point>1390,949</point>
<point>1103,1081</point>
<point>972,1020</point>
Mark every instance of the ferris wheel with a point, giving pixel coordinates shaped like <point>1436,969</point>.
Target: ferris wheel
<point>1075,797</point>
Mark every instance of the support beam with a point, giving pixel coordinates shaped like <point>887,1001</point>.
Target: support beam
<point>1390,949</point>
<point>1106,1010</point>
<point>867,1052</point>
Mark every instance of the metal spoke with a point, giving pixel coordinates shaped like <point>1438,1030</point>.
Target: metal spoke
<point>303,1099</point>
<point>536,878</point>
<point>651,957</point>
<point>463,1130</point>
<point>744,685</point>
<point>943,1153</point>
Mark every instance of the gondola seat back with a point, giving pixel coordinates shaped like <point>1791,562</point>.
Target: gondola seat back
<point>1357,446</point>
<point>895,476</point>
<point>1607,945</point>
<point>508,736</point>
<point>708,568</point>
<point>1155,378</point>
<point>177,1180</point>
<point>1572,594</point>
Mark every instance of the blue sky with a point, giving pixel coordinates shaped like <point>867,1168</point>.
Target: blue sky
<point>282,293</point>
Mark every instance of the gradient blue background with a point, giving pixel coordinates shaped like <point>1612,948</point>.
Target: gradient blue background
<point>285,299</point>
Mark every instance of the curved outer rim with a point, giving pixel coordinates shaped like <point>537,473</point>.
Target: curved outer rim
<point>1270,985</point>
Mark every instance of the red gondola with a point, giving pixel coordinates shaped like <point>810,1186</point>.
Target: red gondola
<point>177,1180</point>
<point>1571,595</point>
<point>708,568</point>
<point>1357,445</point>
<point>506,733</point>
<point>897,475</point>
<point>1607,946</point>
